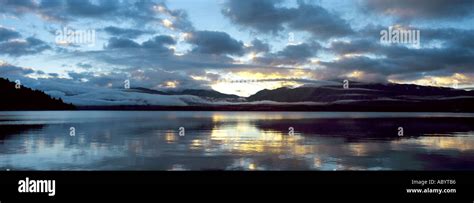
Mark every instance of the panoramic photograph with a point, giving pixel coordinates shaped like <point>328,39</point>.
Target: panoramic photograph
<point>236,85</point>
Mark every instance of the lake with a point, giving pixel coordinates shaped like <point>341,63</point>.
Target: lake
<point>178,140</point>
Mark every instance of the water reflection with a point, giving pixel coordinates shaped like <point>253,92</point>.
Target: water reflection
<point>115,140</point>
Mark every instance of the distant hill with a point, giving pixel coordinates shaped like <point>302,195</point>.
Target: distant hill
<point>360,92</point>
<point>373,97</point>
<point>27,99</point>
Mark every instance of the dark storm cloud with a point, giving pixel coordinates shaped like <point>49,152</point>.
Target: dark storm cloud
<point>269,16</point>
<point>87,8</point>
<point>262,15</point>
<point>159,41</point>
<point>189,61</point>
<point>209,52</point>
<point>446,36</point>
<point>138,77</point>
<point>152,78</point>
<point>125,32</point>
<point>7,34</point>
<point>290,55</point>
<point>156,44</point>
<point>214,42</point>
<point>16,6</point>
<point>258,46</point>
<point>11,70</point>
<point>363,63</point>
<point>59,9</point>
<point>424,9</point>
<point>115,42</point>
<point>368,40</point>
<point>299,52</point>
<point>139,11</point>
<point>318,21</point>
<point>359,46</point>
<point>144,57</point>
<point>450,37</point>
<point>443,52</point>
<point>28,46</point>
<point>396,60</point>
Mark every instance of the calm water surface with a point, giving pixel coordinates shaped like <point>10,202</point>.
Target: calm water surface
<point>150,140</point>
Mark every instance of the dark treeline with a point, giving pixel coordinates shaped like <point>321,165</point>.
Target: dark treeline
<point>25,98</point>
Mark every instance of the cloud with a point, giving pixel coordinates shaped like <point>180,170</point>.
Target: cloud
<point>318,21</point>
<point>125,32</point>
<point>84,65</point>
<point>152,78</point>
<point>115,43</point>
<point>357,46</point>
<point>7,34</point>
<point>87,8</point>
<point>13,6</point>
<point>421,9</point>
<point>12,44</point>
<point>178,19</point>
<point>22,47</point>
<point>214,42</point>
<point>157,44</point>
<point>137,11</point>
<point>7,70</point>
<point>290,55</point>
<point>413,63</point>
<point>443,51</point>
<point>258,46</point>
<point>268,16</point>
<point>450,37</point>
<point>261,15</point>
<point>154,58</point>
<point>368,39</point>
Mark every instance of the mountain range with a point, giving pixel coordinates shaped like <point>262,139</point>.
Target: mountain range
<point>327,97</point>
<point>361,92</point>
<point>359,97</point>
<point>372,97</point>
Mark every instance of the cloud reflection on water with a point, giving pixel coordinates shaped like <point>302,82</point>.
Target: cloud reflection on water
<point>235,141</point>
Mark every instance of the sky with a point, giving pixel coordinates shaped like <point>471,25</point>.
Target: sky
<point>237,47</point>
